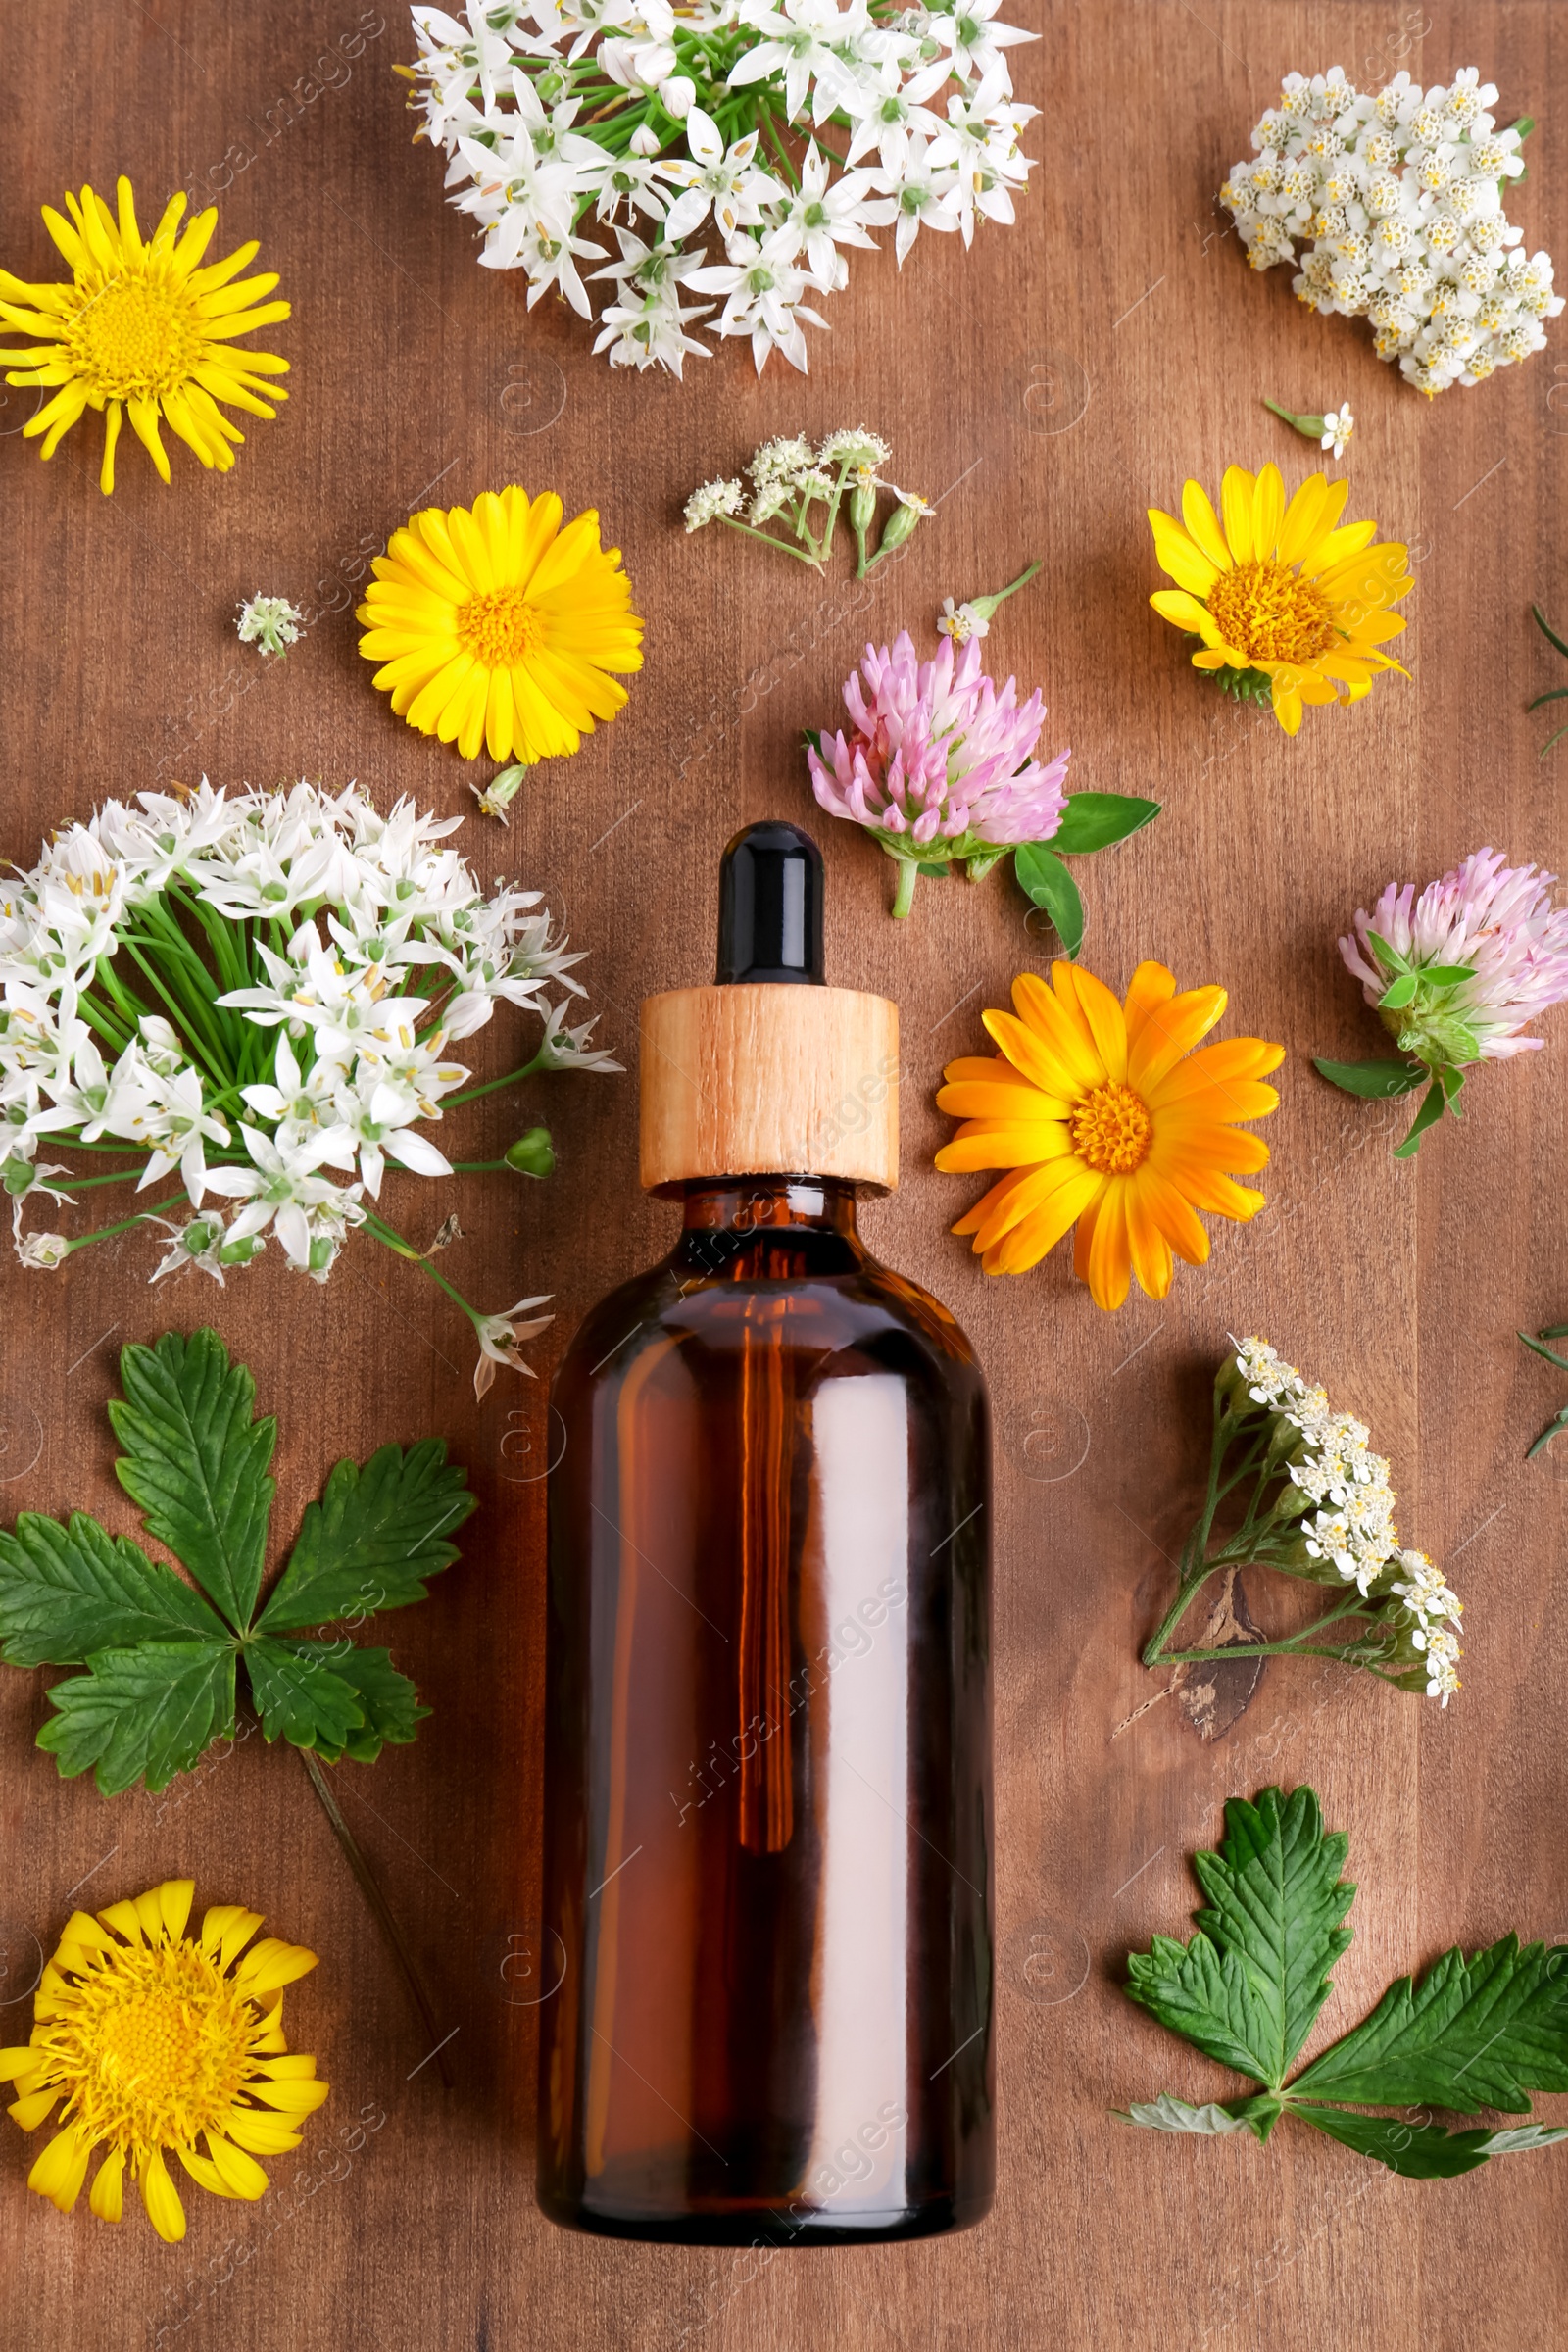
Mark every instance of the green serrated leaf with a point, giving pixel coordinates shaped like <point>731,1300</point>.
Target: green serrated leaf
<point>1479,2032</point>
<point>195,1459</point>
<point>1380,1079</point>
<point>1092,821</point>
<point>65,1591</point>
<point>300,1697</point>
<point>1420,2151</point>
<point>1166,2114</point>
<point>390,1702</point>
<point>1247,1986</point>
<point>143,1714</point>
<point>375,1535</point>
<point>1042,877</point>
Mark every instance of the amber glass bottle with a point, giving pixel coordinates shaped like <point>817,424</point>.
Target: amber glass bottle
<point>769,1833</point>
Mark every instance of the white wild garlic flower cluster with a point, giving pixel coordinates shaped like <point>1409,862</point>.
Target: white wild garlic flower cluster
<point>1392,205</point>
<point>257,994</point>
<point>1349,1521</point>
<point>691,135</point>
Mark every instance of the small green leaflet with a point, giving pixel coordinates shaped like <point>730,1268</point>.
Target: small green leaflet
<point>159,1682</point>
<point>1376,1078</point>
<point>1092,821</point>
<point>1472,2033</point>
<point>1042,877</point>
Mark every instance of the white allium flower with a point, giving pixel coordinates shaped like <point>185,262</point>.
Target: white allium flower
<point>271,623</point>
<point>512,97</point>
<point>501,1339</point>
<point>1397,200</point>
<point>44,1249</point>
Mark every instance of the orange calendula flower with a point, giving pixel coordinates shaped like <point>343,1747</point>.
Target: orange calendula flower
<point>156,2041</point>
<point>1285,597</point>
<point>495,628</point>
<point>1105,1119</point>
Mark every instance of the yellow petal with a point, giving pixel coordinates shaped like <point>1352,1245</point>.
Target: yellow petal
<point>107,2199</point>
<point>1203,523</point>
<point>1103,1017</point>
<point>1171,1030</point>
<point>1236,504</point>
<point>1152,986</point>
<point>1181,606</point>
<point>239,2173</point>
<point>1110,1271</point>
<point>1268,514</point>
<point>59,2172</point>
<point>987,1143</point>
<point>161,2199</point>
<point>1301,518</point>
<point>1181,555</point>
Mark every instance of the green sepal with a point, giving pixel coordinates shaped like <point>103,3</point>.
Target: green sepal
<point>143,1714</point>
<point>1399,993</point>
<point>1043,878</point>
<point>1092,821</point>
<point>196,1460</point>
<point>1428,1116</point>
<point>372,1539</point>
<point>1378,1079</point>
<point>65,1591</point>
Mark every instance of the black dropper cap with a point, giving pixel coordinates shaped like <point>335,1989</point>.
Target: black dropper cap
<point>771,907</point>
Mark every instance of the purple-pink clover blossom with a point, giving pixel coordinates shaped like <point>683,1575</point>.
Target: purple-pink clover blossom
<point>938,756</point>
<point>1499,919</point>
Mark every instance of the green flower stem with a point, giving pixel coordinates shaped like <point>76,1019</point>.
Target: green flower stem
<point>471,1093</point>
<point>904,894</point>
<point>777,144</point>
<point>385,1920</point>
<point>86,1184</point>
<point>189,1020</point>
<point>768,540</point>
<point>395,1242</point>
<point>107,1231</point>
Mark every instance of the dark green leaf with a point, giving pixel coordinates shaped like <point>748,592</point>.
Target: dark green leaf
<point>1248,1986</point>
<point>299,1697</point>
<point>1420,2151</point>
<point>1481,2033</point>
<point>196,1460</point>
<point>1428,1116</point>
<point>1548,631</point>
<point>143,1714</point>
<point>1399,993</point>
<point>65,1591</point>
<point>1376,1078</point>
<point>375,1535</point>
<point>1092,821</point>
<point>938,869</point>
<point>391,1703</point>
<point>1042,877</point>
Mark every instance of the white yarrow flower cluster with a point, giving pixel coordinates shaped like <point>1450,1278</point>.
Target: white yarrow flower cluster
<point>1351,1524</point>
<point>324,958</point>
<point>1392,205</point>
<point>514,97</point>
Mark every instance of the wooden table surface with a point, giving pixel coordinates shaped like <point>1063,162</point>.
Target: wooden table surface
<point>1045,389</point>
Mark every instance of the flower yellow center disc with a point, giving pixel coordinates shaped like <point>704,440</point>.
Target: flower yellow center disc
<point>500,627</point>
<point>134,341</point>
<point>1111,1130</point>
<point>1272,613</point>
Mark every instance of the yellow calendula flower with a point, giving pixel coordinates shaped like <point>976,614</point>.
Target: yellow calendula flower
<point>156,2041</point>
<point>143,331</point>
<point>1284,591</point>
<point>497,629</point>
<point>1104,1117</point>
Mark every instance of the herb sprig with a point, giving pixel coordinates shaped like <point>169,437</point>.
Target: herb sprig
<point>1247,1989</point>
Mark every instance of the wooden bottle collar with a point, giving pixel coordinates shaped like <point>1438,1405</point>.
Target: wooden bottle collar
<point>762,1080</point>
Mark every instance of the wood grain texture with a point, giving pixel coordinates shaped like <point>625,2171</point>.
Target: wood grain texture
<point>1045,390</point>
<point>752,1080</point>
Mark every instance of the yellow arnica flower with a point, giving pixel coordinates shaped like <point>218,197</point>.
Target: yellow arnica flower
<point>1104,1117</point>
<point>142,330</point>
<point>156,2041</point>
<point>498,629</point>
<point>1288,590</point>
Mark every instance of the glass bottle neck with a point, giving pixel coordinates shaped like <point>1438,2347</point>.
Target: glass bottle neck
<point>747,1204</point>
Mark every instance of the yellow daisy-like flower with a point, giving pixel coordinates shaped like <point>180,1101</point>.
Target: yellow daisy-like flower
<point>156,2041</point>
<point>142,331</point>
<point>1104,1117</point>
<point>1288,590</point>
<point>497,628</point>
